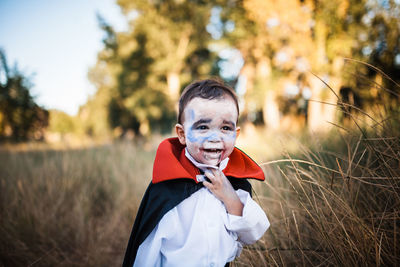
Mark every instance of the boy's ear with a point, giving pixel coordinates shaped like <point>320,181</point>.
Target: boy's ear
<point>237,132</point>
<point>180,132</point>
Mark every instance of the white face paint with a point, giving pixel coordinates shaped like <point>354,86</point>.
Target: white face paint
<point>210,129</point>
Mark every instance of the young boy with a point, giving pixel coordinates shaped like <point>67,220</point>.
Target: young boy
<point>198,210</point>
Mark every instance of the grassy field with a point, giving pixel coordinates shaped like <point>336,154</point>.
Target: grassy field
<point>332,200</point>
<point>70,207</point>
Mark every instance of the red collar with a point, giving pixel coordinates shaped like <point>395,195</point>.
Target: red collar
<point>171,163</point>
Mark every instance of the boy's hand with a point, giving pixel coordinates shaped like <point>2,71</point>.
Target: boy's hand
<point>223,190</point>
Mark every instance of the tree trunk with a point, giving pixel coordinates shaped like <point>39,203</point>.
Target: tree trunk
<point>174,85</point>
<point>322,106</point>
<point>315,113</point>
<point>173,81</point>
<point>247,73</point>
<point>271,114</point>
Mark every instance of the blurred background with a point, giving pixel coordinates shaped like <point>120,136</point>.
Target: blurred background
<point>148,51</point>
<point>89,88</point>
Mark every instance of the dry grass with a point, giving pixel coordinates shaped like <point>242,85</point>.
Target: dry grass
<point>332,209</point>
<point>326,207</point>
<point>70,207</point>
<point>335,203</point>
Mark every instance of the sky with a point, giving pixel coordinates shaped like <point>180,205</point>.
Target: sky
<point>55,43</point>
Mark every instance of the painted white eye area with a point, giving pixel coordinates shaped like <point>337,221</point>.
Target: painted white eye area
<point>227,128</point>
<point>201,127</point>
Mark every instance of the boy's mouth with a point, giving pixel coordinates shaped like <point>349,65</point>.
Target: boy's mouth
<point>212,152</point>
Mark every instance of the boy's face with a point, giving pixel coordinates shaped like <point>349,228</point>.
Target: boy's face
<point>209,129</point>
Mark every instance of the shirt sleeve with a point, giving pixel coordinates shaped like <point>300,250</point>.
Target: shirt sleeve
<point>252,224</point>
<point>150,252</point>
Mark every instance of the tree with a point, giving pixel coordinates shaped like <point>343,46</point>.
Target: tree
<point>20,117</point>
<point>283,40</point>
<point>381,48</point>
<point>165,48</point>
<point>264,31</point>
<point>61,122</point>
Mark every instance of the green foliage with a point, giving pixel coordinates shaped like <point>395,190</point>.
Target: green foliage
<point>20,117</point>
<point>140,73</point>
<point>382,45</point>
<point>61,122</point>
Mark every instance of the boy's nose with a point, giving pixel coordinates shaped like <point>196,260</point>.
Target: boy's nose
<point>214,137</point>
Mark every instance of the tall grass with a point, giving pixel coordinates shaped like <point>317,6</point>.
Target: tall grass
<point>332,202</point>
<point>333,209</point>
<point>338,202</point>
<point>335,204</point>
<point>70,207</point>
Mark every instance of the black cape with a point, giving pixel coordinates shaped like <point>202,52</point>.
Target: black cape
<point>158,199</point>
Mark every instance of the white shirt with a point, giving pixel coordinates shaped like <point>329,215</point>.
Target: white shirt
<point>200,232</point>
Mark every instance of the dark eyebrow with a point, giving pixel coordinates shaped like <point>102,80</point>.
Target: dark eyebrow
<point>201,121</point>
<point>230,123</point>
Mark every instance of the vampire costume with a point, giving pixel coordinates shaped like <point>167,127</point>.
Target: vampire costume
<point>174,180</point>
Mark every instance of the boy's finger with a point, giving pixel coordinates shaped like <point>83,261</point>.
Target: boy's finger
<point>215,179</point>
<point>220,174</point>
<point>216,173</point>
<point>210,175</point>
<point>208,185</point>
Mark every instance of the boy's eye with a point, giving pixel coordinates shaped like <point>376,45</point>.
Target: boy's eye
<point>201,127</point>
<point>227,128</point>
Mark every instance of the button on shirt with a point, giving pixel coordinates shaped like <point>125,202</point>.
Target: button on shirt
<point>200,232</point>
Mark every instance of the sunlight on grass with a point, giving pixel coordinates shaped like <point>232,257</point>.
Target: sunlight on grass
<point>70,207</point>
<point>332,199</point>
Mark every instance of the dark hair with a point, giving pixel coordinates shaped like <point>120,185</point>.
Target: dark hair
<point>206,89</point>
